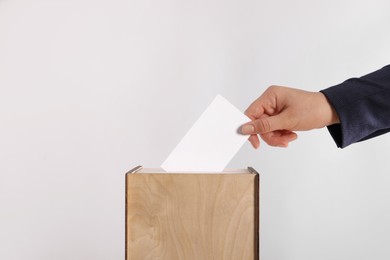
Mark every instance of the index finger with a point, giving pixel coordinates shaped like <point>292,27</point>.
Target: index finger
<point>255,110</point>
<point>265,104</point>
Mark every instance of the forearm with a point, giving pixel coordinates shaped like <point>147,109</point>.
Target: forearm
<point>363,107</point>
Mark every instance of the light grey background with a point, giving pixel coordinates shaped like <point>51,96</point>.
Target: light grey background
<point>89,89</point>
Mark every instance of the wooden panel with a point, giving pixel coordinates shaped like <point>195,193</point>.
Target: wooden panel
<point>192,216</point>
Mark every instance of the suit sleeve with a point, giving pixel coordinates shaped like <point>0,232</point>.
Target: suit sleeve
<point>363,106</point>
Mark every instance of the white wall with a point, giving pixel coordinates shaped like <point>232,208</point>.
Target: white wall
<point>89,89</point>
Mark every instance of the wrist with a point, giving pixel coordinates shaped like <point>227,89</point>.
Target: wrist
<point>327,112</point>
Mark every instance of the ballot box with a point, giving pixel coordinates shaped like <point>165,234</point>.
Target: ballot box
<point>192,216</point>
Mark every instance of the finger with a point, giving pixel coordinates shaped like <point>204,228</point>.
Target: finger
<point>255,141</point>
<point>254,112</point>
<point>279,138</point>
<point>263,104</point>
<point>256,109</point>
<point>264,125</point>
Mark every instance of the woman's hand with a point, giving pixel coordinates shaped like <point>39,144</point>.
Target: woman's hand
<point>280,111</point>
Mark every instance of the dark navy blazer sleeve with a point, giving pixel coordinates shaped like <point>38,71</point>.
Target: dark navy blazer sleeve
<point>363,106</point>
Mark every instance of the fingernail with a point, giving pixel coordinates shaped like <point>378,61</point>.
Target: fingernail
<point>247,129</point>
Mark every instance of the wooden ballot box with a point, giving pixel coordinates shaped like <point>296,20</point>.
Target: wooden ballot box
<point>192,216</point>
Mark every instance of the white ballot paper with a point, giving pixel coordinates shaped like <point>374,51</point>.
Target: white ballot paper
<point>212,141</point>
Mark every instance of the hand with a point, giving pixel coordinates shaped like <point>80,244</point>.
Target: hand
<point>280,111</point>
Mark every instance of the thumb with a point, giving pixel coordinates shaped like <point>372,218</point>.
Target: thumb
<point>263,125</point>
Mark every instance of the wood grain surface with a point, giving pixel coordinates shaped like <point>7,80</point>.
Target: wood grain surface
<point>192,216</point>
